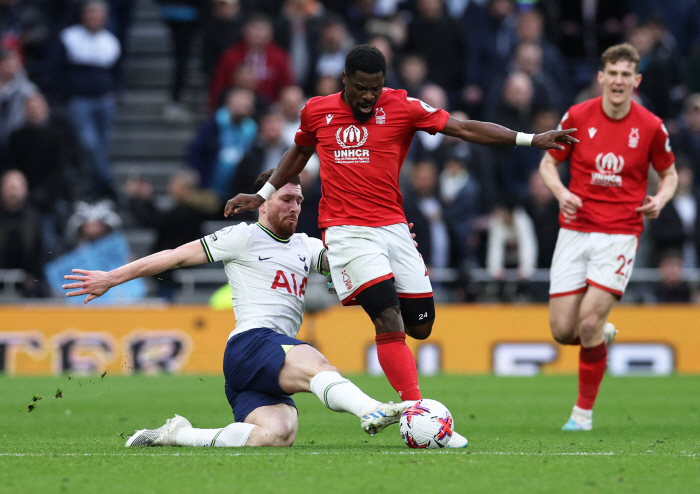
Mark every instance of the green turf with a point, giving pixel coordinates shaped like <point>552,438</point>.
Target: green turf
<point>646,439</point>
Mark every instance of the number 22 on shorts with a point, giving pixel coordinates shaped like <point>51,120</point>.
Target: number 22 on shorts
<point>623,270</point>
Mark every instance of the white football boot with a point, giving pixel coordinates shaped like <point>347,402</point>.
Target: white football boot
<point>457,441</point>
<point>609,333</point>
<point>162,436</point>
<point>580,420</point>
<point>383,415</point>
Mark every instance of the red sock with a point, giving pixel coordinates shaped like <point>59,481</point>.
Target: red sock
<point>591,368</point>
<point>398,364</point>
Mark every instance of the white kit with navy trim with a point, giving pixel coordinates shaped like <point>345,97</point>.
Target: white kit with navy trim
<point>267,274</point>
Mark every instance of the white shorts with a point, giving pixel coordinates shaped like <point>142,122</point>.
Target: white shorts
<point>601,260</point>
<point>361,256</point>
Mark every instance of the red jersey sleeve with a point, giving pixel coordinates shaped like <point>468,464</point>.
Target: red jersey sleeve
<point>660,153</point>
<point>567,122</point>
<point>305,137</point>
<point>426,118</point>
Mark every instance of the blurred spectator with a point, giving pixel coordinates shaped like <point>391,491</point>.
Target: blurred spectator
<point>20,233</point>
<point>460,195</point>
<point>382,44</point>
<point>264,154</point>
<point>528,60</point>
<point>437,37</point>
<point>222,140</point>
<point>678,225</point>
<point>413,74</point>
<point>681,16</point>
<point>24,27</point>
<point>90,54</point>
<point>121,13</point>
<point>297,29</point>
<point>92,221</point>
<point>543,208</point>
<point>519,162</point>
<point>333,44</point>
<point>673,288</point>
<point>182,17</point>
<point>661,84</point>
<point>686,142</point>
<point>512,243</point>
<point>423,142</point>
<point>587,28</point>
<point>244,77</point>
<point>530,29</point>
<point>222,31</point>
<point>15,88</point>
<point>45,150</point>
<point>422,207</point>
<point>270,62</point>
<point>176,225</point>
<point>327,84</point>
<point>491,38</point>
<point>291,101</point>
<point>514,109</point>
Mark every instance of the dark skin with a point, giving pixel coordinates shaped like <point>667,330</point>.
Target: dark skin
<point>362,91</point>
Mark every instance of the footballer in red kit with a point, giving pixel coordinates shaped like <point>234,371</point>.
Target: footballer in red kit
<point>602,215</point>
<point>362,135</point>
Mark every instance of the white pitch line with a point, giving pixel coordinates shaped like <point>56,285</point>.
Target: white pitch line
<point>336,453</point>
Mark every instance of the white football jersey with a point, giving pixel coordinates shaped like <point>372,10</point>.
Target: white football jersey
<point>267,274</point>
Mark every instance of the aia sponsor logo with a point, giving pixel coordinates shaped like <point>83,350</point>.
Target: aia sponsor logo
<point>608,166</point>
<point>282,281</point>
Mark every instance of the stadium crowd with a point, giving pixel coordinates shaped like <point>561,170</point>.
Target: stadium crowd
<point>519,63</point>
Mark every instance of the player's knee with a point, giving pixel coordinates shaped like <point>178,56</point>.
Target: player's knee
<point>588,326</point>
<point>421,332</point>
<point>282,433</point>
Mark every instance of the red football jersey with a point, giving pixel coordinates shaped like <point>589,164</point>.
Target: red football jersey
<point>610,165</point>
<point>360,161</point>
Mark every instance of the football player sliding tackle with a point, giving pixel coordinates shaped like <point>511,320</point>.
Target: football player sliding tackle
<point>267,264</point>
<point>361,136</point>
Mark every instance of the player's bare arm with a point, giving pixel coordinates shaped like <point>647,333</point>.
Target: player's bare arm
<point>668,181</point>
<point>492,134</point>
<point>568,201</point>
<point>291,165</point>
<point>97,283</point>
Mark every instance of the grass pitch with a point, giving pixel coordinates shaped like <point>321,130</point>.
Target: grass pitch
<point>646,438</point>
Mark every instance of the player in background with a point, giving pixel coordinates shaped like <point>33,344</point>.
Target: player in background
<point>362,135</point>
<point>601,214</point>
<point>267,265</point>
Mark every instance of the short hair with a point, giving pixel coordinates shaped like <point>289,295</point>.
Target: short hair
<point>265,176</point>
<point>365,58</point>
<point>623,51</point>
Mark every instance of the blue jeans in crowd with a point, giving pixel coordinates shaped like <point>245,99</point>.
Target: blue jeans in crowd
<point>93,118</point>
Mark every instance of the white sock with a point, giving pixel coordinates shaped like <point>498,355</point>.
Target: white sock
<point>340,394</point>
<point>233,435</point>
<point>584,413</point>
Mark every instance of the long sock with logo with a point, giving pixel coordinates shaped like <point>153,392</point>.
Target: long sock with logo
<point>233,435</point>
<point>340,394</point>
<point>590,374</point>
<point>398,364</point>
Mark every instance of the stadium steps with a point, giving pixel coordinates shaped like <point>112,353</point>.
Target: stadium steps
<point>143,144</point>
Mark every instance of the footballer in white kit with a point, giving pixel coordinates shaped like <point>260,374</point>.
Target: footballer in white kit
<point>267,265</point>
<point>267,274</point>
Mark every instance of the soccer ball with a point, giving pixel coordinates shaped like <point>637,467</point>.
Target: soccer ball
<point>427,424</point>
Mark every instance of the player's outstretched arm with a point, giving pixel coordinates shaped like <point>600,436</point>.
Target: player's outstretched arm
<point>491,134</point>
<point>291,164</point>
<point>668,181</point>
<point>97,283</point>
<point>568,201</point>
